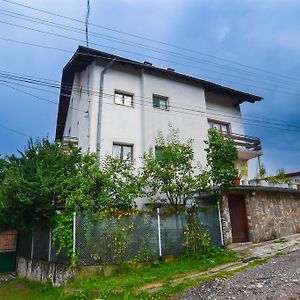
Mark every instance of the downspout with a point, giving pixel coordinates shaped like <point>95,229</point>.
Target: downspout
<point>98,141</point>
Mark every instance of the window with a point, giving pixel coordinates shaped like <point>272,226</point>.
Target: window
<point>122,98</point>
<point>123,151</point>
<point>158,153</point>
<point>222,127</point>
<point>160,102</point>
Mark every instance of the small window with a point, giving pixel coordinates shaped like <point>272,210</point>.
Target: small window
<point>123,98</point>
<point>158,153</point>
<point>123,151</point>
<point>160,102</point>
<point>222,127</point>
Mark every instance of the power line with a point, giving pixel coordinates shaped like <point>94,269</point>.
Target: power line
<point>14,130</point>
<point>283,80</point>
<point>137,98</point>
<point>194,112</point>
<point>281,89</point>
<point>149,39</point>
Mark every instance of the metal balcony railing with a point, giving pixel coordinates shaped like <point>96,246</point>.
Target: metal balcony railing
<point>244,141</point>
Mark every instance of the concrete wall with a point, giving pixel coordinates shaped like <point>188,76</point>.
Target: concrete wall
<point>43,271</point>
<point>271,214</point>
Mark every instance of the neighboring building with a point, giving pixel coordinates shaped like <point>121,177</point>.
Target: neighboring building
<point>294,176</point>
<point>113,105</point>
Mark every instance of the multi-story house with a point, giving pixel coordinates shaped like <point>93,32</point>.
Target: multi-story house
<point>113,105</point>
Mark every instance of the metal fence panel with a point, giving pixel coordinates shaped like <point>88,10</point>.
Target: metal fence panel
<point>24,244</point>
<point>112,240</point>
<point>41,242</point>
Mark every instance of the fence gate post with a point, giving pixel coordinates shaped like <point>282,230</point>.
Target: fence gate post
<point>49,248</point>
<point>74,232</point>
<point>32,237</point>
<point>159,233</point>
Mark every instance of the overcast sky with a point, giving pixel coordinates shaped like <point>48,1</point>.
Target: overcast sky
<point>251,45</point>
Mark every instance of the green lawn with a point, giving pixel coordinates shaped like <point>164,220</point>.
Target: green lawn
<point>122,285</point>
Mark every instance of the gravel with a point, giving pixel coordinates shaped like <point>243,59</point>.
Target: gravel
<point>279,278</point>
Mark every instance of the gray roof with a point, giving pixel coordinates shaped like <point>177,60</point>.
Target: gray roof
<point>85,56</point>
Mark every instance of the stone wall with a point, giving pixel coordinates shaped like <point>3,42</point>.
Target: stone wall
<point>271,214</point>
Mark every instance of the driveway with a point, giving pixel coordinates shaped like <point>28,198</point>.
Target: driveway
<point>279,278</point>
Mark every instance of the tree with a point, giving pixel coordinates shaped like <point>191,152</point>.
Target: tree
<point>115,184</point>
<point>169,173</point>
<point>35,183</point>
<point>45,178</point>
<point>221,155</point>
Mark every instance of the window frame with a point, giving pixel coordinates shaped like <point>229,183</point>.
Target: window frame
<point>122,145</point>
<point>123,94</point>
<point>161,98</point>
<point>220,123</point>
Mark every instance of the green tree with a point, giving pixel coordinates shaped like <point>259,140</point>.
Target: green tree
<point>171,175</point>
<point>221,155</point>
<point>169,172</point>
<point>45,177</point>
<point>115,184</point>
<point>34,183</point>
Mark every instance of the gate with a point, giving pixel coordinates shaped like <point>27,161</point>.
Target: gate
<point>8,241</point>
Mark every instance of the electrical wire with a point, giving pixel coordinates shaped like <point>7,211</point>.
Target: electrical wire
<point>143,38</point>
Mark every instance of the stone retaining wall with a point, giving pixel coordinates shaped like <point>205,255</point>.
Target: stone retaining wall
<point>271,214</point>
<point>43,271</point>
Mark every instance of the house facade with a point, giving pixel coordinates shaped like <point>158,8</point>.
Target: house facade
<point>113,105</point>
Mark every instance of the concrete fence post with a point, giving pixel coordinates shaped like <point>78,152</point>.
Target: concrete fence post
<point>159,233</point>
<point>220,222</point>
<point>74,232</point>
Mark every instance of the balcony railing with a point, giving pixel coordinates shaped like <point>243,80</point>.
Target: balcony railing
<point>69,140</point>
<point>245,142</point>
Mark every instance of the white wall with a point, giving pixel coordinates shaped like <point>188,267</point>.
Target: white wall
<point>139,125</point>
<point>189,109</point>
<point>223,108</point>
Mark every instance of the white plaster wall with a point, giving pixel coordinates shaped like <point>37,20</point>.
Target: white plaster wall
<point>223,108</point>
<point>139,125</point>
<point>189,109</point>
<point>77,122</point>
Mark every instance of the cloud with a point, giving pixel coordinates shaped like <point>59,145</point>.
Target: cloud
<point>222,32</point>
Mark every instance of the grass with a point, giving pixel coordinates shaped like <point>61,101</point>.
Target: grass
<point>23,289</point>
<point>280,241</point>
<point>124,284</point>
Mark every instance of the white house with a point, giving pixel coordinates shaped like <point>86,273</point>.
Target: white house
<point>112,105</point>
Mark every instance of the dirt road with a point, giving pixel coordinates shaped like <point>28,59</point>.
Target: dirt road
<point>279,278</point>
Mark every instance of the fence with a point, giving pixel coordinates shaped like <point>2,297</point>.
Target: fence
<point>38,245</point>
<point>138,237</point>
<point>8,250</point>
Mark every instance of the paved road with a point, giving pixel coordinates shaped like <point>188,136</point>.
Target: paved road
<point>278,279</point>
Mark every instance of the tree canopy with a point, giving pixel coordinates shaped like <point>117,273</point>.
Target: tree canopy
<point>45,178</point>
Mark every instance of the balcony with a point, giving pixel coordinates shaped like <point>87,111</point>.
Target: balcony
<point>69,140</point>
<point>248,147</point>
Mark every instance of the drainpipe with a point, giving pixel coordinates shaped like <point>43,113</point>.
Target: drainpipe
<point>98,141</point>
